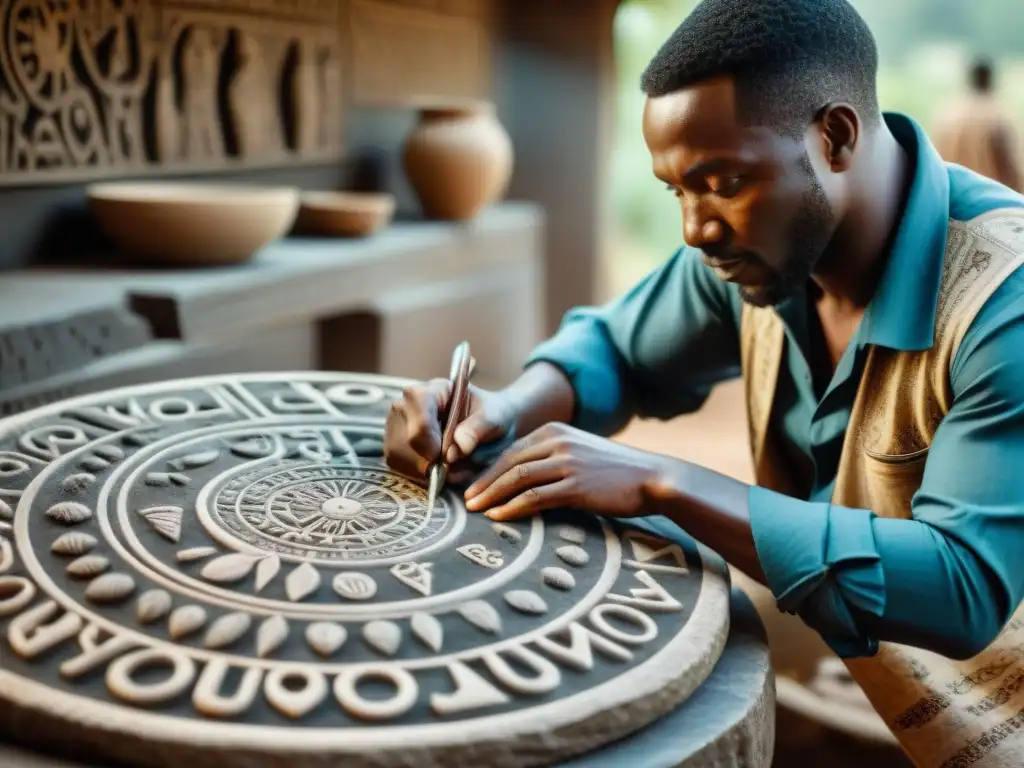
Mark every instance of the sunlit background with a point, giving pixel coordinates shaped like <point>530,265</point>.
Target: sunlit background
<point>926,47</point>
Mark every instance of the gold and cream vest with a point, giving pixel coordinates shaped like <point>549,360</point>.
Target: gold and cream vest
<point>944,713</point>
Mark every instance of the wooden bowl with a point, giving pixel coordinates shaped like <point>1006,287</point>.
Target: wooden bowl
<point>192,224</point>
<point>346,214</point>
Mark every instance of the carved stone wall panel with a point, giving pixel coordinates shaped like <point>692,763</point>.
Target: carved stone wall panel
<point>400,53</point>
<point>107,88</point>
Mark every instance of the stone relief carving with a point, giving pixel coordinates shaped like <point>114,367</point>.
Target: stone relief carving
<point>105,87</point>
<point>239,546</point>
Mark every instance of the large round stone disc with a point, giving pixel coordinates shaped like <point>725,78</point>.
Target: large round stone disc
<point>222,572</point>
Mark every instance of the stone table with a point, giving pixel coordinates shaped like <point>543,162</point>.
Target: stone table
<point>223,572</point>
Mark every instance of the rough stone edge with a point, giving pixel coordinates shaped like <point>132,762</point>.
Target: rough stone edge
<point>750,741</point>
<point>112,732</point>
<point>121,734</point>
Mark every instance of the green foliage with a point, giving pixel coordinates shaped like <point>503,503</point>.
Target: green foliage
<point>925,47</point>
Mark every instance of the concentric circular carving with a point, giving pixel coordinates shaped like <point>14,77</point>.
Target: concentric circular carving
<point>226,568</point>
<point>332,513</point>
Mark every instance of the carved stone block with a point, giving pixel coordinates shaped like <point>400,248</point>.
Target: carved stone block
<point>222,572</point>
<point>146,86</point>
<point>32,351</point>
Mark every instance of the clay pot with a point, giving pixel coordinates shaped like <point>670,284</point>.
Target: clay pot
<point>345,214</point>
<point>458,159</point>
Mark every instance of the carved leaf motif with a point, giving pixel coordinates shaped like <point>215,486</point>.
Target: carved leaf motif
<point>572,534</point>
<point>507,532</point>
<point>195,553</point>
<point>226,630</point>
<point>559,578</point>
<point>87,566</point>
<point>110,588</point>
<point>153,605</point>
<point>302,582</point>
<point>69,512</point>
<point>165,479</point>
<point>186,620</point>
<point>228,568</point>
<point>195,460</point>
<point>525,601</point>
<point>73,543</point>
<point>266,571</point>
<point>383,636</point>
<point>95,463</point>
<point>165,520</point>
<point>77,483</point>
<point>480,614</point>
<point>573,555</point>
<point>428,629</point>
<point>272,633</point>
<point>6,513</point>
<point>325,638</point>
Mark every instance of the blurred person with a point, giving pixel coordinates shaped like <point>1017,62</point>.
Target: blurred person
<point>870,295</point>
<point>976,132</point>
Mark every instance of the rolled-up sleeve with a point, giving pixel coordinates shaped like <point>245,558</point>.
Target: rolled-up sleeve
<point>654,353</point>
<point>949,578</point>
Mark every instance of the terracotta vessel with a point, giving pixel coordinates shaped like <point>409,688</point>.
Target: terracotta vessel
<point>192,224</point>
<point>345,214</point>
<point>458,159</point>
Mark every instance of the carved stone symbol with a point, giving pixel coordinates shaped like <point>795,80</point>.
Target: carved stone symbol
<point>654,598</point>
<point>647,549</point>
<point>481,555</point>
<point>419,576</point>
<point>165,520</point>
<point>87,82</point>
<point>355,586</point>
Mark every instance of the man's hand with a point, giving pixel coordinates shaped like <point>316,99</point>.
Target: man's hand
<point>412,435</point>
<point>561,466</point>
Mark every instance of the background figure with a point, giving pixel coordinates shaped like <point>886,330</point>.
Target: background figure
<point>974,131</point>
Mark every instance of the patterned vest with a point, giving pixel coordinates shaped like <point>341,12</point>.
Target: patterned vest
<point>943,712</point>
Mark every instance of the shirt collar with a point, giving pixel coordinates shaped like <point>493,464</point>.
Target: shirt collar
<point>901,315</point>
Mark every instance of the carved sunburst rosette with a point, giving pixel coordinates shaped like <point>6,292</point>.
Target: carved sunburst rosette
<point>218,570</point>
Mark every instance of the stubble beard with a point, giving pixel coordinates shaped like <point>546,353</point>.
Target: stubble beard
<point>808,240</point>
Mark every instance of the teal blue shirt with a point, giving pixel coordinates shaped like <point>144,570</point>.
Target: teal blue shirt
<point>947,579</point>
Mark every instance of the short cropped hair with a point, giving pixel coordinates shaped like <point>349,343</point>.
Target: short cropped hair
<point>789,58</point>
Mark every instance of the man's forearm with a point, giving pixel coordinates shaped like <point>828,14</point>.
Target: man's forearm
<point>541,395</point>
<point>713,508</point>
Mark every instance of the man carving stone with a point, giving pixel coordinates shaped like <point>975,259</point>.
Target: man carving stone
<point>870,296</point>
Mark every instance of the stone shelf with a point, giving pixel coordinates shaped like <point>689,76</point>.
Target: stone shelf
<point>396,302</point>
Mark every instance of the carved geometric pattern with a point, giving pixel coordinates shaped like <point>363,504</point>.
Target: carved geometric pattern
<point>127,87</point>
<point>286,589</point>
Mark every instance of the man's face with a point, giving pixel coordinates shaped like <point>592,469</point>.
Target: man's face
<point>750,197</point>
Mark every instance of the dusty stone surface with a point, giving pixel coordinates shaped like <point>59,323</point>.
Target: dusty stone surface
<point>223,572</point>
